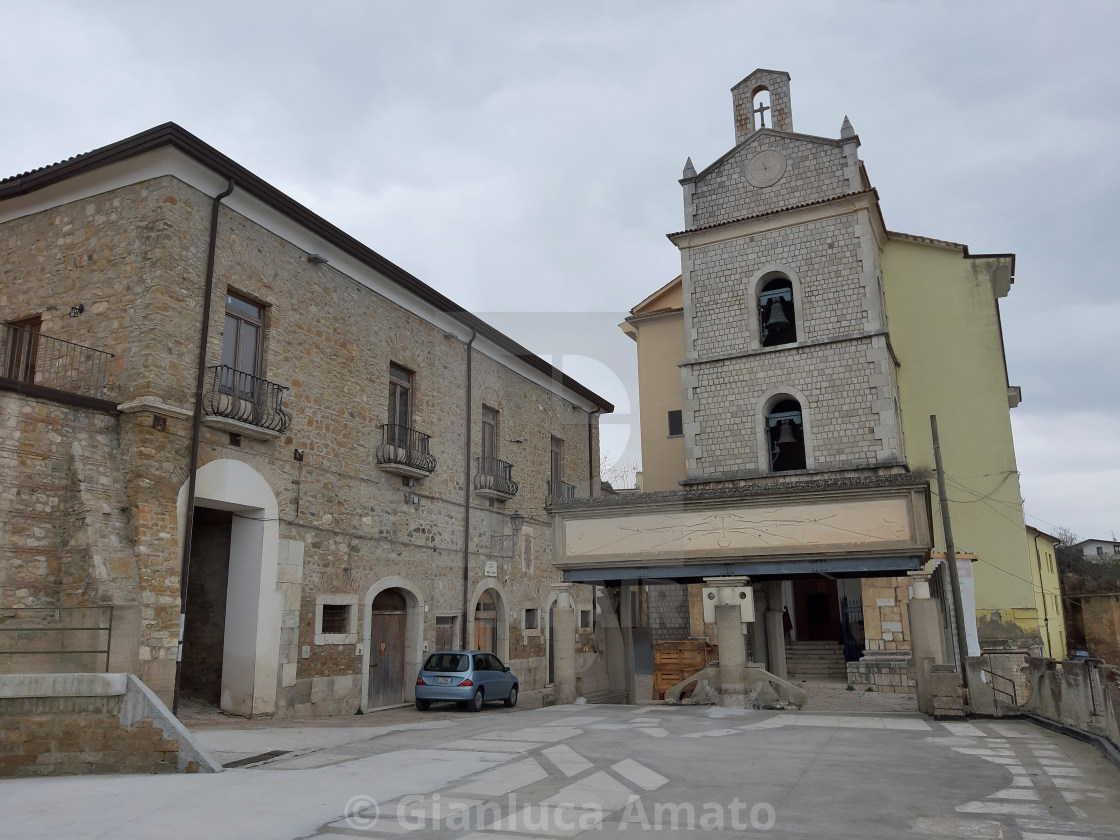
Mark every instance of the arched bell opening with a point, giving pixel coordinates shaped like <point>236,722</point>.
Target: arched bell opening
<point>785,434</point>
<point>776,312</point>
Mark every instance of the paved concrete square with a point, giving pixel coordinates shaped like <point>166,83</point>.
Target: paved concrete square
<point>600,771</point>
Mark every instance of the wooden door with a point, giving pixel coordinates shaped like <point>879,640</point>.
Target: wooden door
<point>486,623</point>
<point>21,346</point>
<point>485,635</point>
<point>386,657</point>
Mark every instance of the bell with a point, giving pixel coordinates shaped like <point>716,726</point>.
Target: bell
<point>776,319</point>
<point>785,433</point>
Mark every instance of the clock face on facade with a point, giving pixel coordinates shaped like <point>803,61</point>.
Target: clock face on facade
<point>766,168</point>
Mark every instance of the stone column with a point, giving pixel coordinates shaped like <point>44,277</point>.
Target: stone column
<point>564,645</point>
<point>732,650</point>
<point>725,601</point>
<point>775,631</point>
<point>758,629</point>
<point>926,638</point>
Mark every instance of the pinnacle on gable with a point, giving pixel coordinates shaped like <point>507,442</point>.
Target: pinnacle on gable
<point>689,169</point>
<point>846,129</point>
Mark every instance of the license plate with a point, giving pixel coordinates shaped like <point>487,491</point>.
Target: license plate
<point>443,680</point>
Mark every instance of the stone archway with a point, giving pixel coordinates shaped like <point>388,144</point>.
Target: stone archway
<point>251,633</point>
<point>493,616</point>
<point>385,598</point>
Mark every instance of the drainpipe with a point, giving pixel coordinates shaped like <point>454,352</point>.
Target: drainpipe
<point>196,428</point>
<point>1042,589</point>
<point>467,492</point>
<point>591,453</point>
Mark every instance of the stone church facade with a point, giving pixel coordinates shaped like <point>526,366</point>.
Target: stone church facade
<point>375,465</point>
<point>811,345</point>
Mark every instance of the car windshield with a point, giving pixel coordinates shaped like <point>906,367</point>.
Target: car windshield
<point>447,662</point>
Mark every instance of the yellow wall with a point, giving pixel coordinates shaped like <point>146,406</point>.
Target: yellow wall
<point>1048,600</point>
<point>944,328</point>
<point>657,324</point>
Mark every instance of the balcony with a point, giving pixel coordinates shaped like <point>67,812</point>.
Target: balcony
<point>404,451</point>
<point>494,479</point>
<point>41,366</point>
<point>244,404</point>
<point>558,491</point>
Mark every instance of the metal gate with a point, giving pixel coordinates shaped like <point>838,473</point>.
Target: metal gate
<point>386,653</point>
<point>851,618</point>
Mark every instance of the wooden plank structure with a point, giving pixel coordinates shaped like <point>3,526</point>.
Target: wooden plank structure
<point>677,660</point>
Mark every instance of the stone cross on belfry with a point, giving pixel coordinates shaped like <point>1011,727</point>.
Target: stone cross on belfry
<point>761,111</point>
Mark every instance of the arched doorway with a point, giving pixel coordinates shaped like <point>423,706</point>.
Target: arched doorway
<point>231,624</point>
<point>388,624</point>
<point>489,626</point>
<point>486,622</point>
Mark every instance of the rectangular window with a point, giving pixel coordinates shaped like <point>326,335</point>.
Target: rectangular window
<point>241,346</point>
<point>676,425</point>
<point>557,460</point>
<point>400,403</point>
<point>585,619</point>
<point>489,432</point>
<point>21,346</point>
<point>336,619</point>
<point>532,619</point>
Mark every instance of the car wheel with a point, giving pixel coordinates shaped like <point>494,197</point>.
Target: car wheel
<point>423,705</point>
<point>511,701</point>
<point>475,703</point>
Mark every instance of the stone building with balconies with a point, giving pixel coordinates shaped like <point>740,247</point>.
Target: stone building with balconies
<point>223,414</point>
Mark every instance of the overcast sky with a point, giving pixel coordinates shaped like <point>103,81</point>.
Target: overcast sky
<point>523,158</point>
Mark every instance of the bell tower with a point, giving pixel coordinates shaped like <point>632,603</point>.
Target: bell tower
<point>779,114</point>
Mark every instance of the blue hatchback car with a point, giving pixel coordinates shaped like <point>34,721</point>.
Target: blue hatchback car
<point>467,677</point>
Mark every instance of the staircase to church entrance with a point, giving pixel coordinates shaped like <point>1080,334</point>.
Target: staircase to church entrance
<point>816,661</point>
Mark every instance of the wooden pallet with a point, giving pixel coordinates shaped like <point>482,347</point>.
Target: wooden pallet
<point>676,661</point>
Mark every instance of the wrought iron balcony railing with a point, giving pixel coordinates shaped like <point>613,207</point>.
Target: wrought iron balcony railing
<point>245,398</point>
<point>404,451</point>
<point>35,359</point>
<point>559,491</point>
<point>494,479</point>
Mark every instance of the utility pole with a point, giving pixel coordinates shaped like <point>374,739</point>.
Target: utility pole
<point>950,554</point>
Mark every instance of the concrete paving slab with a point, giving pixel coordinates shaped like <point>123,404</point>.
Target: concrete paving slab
<point>834,776</point>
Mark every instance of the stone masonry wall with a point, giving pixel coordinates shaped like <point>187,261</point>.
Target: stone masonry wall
<point>886,620</point>
<point>55,736</point>
<point>814,171</point>
<point>824,255</point>
<point>135,257</point>
<point>838,410</point>
<point>64,526</point>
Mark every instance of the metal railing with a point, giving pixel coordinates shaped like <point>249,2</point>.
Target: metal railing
<point>998,693</point>
<point>496,476</point>
<point>246,398</point>
<point>559,491</point>
<point>33,632</point>
<point>405,447</point>
<point>29,356</point>
<point>1096,694</point>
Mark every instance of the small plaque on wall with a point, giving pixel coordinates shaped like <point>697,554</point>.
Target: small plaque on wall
<point>491,568</point>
